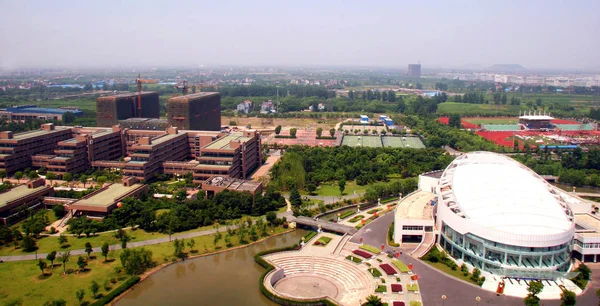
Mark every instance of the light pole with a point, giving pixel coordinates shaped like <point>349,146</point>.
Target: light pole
<point>477,299</point>
<point>444,297</point>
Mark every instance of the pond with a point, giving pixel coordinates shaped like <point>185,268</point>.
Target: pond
<point>229,278</point>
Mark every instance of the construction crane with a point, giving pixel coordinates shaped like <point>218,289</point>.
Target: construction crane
<point>183,87</point>
<point>139,82</point>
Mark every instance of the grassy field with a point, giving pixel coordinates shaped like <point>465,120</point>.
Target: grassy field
<point>50,243</point>
<point>22,281</point>
<point>476,109</point>
<point>83,104</point>
<point>501,120</point>
<point>456,273</point>
<point>332,189</point>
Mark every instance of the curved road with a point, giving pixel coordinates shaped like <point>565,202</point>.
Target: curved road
<point>433,284</point>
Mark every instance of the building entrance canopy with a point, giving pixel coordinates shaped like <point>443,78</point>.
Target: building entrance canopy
<point>540,275</point>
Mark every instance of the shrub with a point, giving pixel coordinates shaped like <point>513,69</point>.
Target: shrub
<point>356,259</point>
<point>370,248</point>
<point>381,288</point>
<point>356,218</point>
<point>113,294</point>
<point>375,272</point>
<point>347,214</point>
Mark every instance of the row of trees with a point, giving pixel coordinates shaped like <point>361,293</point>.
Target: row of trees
<point>370,95</point>
<point>299,91</point>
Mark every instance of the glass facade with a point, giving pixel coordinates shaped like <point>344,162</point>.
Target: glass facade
<point>492,256</point>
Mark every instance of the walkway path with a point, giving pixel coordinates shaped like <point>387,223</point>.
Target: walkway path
<point>34,256</point>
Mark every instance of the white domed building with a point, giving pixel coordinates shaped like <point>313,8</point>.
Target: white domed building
<point>501,217</point>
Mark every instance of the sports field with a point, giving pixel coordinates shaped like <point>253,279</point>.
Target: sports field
<point>402,142</point>
<point>361,128</point>
<point>362,141</point>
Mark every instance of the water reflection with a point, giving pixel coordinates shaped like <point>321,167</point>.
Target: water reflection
<point>229,278</point>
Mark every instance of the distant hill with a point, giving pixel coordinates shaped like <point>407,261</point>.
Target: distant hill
<point>506,68</point>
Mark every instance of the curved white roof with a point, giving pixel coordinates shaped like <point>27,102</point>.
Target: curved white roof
<point>498,192</point>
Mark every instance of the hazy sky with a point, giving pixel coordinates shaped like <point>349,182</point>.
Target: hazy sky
<point>535,34</point>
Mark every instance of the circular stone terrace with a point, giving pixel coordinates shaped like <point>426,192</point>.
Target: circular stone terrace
<point>339,270</point>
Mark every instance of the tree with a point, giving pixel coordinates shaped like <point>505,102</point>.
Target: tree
<point>319,132</point>
<point>32,175</point>
<point>278,129</point>
<point>534,288</point>
<point>67,177</point>
<point>136,261</point>
<point>331,132</point>
<point>342,185</point>
<point>51,257</point>
<point>88,248</point>
<point>59,302</point>
<point>271,217</point>
<point>179,249</point>
<point>83,179</point>
<point>28,244</point>
<point>124,239</point>
<point>373,300</point>
<point>69,117</point>
<point>454,121</point>
<point>585,271</point>
<point>104,248</point>
<point>531,300</point>
<point>101,180</point>
<point>59,211</point>
<point>80,294</point>
<point>295,198</point>
<point>62,240</point>
<point>2,175</point>
<point>18,175</point>
<point>568,298</point>
<point>94,288</point>
<point>42,265</point>
<point>81,263</point>
<point>50,176</point>
<point>191,244</point>
<point>64,258</point>
<point>293,132</point>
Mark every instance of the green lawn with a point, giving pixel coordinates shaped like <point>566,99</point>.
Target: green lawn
<point>468,109</point>
<point>381,288</point>
<point>456,273</point>
<point>332,189</point>
<point>324,240</point>
<point>370,248</point>
<point>20,280</point>
<point>412,287</point>
<point>354,258</point>
<point>356,218</point>
<point>501,120</point>
<point>375,272</point>
<point>400,265</point>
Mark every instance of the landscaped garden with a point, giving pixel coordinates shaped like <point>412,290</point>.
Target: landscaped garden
<point>400,265</point>
<point>356,218</point>
<point>347,214</point>
<point>381,289</point>
<point>412,287</point>
<point>364,254</point>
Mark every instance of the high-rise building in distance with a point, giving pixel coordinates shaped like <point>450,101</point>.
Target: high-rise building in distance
<point>414,70</point>
<point>200,111</point>
<point>111,109</point>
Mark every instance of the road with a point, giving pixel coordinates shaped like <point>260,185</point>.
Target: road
<point>433,284</point>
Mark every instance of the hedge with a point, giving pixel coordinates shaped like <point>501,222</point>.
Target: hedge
<point>356,218</point>
<point>325,137</point>
<point>280,300</point>
<point>118,291</point>
<point>370,248</point>
<point>347,214</point>
<point>309,236</point>
<point>284,136</point>
<point>375,272</point>
<point>354,258</point>
<point>400,265</point>
<point>412,287</point>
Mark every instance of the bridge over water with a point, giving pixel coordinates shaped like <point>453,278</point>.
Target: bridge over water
<point>326,225</point>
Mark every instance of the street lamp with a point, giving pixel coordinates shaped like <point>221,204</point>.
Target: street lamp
<point>477,299</point>
<point>444,297</point>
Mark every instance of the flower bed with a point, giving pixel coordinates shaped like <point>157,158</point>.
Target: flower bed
<point>400,265</point>
<point>356,218</point>
<point>370,248</point>
<point>415,303</point>
<point>398,303</point>
<point>323,241</point>
<point>362,254</point>
<point>388,269</point>
<point>375,272</point>
<point>412,287</point>
<point>372,211</point>
<point>396,287</point>
<point>354,259</point>
<point>381,288</point>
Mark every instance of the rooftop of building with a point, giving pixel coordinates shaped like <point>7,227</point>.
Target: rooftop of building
<point>587,225</point>
<point>416,206</point>
<point>224,142</point>
<point>498,192</point>
<point>129,94</point>
<point>16,193</point>
<point>42,110</point>
<point>232,183</point>
<point>37,133</point>
<point>160,139</point>
<point>194,96</point>
<point>108,196</point>
<point>536,117</point>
